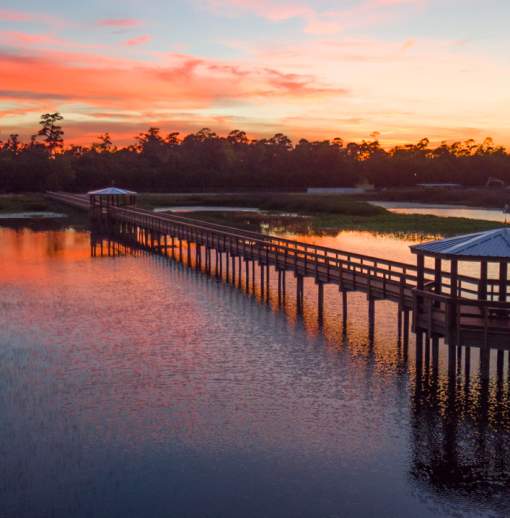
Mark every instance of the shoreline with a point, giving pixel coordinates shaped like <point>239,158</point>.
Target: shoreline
<point>315,213</point>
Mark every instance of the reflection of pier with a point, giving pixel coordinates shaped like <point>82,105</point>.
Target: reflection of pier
<point>460,309</point>
<point>461,437</point>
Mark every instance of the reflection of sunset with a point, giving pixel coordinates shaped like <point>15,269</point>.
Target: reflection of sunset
<point>28,255</point>
<point>112,364</point>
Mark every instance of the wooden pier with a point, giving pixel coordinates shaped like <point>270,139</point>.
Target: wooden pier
<point>460,320</point>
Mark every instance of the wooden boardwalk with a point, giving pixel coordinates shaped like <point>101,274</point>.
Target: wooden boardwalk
<point>461,321</point>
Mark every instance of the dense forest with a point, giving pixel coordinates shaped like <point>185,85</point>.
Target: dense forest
<point>205,161</point>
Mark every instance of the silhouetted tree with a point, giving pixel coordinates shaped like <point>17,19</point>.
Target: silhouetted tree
<point>51,131</point>
<point>206,161</point>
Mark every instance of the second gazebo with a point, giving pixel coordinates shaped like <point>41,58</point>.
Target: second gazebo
<point>490,249</point>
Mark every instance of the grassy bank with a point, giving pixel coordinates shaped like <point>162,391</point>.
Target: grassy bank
<point>318,213</point>
<point>23,203</point>
<point>481,197</point>
<point>406,223</point>
<point>321,213</point>
<point>304,203</point>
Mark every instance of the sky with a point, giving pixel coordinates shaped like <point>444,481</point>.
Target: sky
<point>399,69</point>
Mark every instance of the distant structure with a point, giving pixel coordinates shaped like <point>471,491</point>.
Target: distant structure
<point>440,185</point>
<point>111,196</point>
<point>494,182</point>
<point>336,190</point>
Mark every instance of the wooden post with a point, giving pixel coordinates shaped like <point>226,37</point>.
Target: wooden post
<point>420,271</point>
<point>371,320</point>
<point>284,281</point>
<point>467,363</point>
<point>419,354</point>
<point>485,361</point>
<point>344,311</point>
<point>268,277</point>
<point>454,278</point>
<point>299,293</point>
<point>406,333</point>
<point>438,275</point>
<point>435,355</point>
<point>503,276</point>
<point>482,287</point>
<point>500,365</point>
<point>320,301</point>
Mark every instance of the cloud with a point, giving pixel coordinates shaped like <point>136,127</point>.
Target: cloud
<point>32,95</point>
<point>138,40</point>
<point>25,38</point>
<point>319,21</point>
<point>174,81</point>
<point>10,15</point>
<point>119,22</point>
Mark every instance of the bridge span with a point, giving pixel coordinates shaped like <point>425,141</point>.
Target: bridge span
<point>460,319</point>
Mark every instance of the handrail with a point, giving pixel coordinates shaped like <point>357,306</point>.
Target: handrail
<point>408,269</point>
<point>439,297</point>
<point>319,255</point>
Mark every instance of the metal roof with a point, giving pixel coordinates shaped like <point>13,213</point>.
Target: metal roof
<point>490,244</point>
<point>109,191</point>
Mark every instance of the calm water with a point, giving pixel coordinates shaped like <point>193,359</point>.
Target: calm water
<point>448,211</point>
<point>131,386</point>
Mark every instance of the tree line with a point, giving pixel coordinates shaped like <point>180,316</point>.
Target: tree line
<point>204,161</point>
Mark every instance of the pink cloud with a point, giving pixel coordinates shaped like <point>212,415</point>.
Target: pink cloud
<point>178,81</point>
<point>10,15</point>
<point>119,22</point>
<point>29,38</point>
<point>316,21</point>
<point>139,40</point>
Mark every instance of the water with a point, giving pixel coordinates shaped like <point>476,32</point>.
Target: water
<point>31,215</point>
<point>448,211</point>
<point>205,208</point>
<point>131,386</point>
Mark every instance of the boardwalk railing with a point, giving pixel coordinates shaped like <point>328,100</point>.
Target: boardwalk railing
<point>314,256</point>
<point>452,315</point>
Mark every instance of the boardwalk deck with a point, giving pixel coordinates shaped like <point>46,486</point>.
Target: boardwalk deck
<point>460,321</point>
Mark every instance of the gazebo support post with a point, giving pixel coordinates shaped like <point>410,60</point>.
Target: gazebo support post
<point>437,275</point>
<point>454,271</point>
<point>482,287</point>
<point>420,272</point>
<point>503,276</point>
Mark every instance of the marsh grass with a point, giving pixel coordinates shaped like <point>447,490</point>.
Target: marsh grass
<point>23,203</point>
<point>321,213</point>
<point>304,203</point>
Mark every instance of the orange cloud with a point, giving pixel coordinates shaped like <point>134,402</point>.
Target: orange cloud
<point>114,94</point>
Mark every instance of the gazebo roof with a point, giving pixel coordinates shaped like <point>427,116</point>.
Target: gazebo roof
<point>492,244</point>
<point>109,191</point>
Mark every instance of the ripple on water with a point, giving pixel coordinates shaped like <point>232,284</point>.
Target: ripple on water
<point>131,386</point>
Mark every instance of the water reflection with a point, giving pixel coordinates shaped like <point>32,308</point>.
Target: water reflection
<point>131,385</point>
<point>460,434</point>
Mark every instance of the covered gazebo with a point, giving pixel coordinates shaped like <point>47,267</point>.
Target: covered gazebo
<point>111,196</point>
<point>488,252</point>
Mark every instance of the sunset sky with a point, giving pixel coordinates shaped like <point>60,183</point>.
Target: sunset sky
<point>310,68</point>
